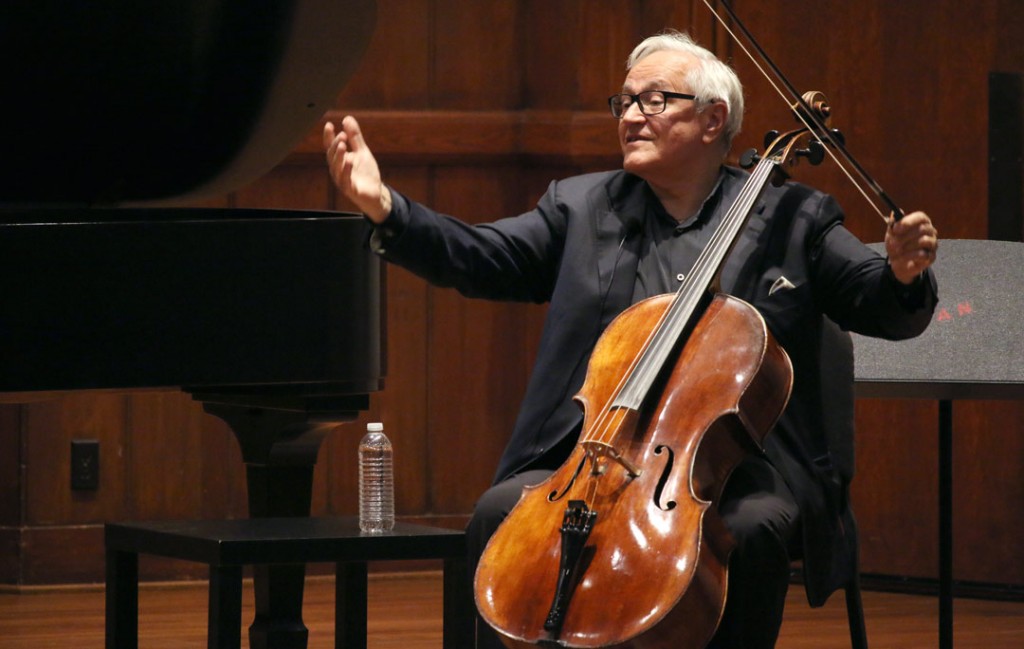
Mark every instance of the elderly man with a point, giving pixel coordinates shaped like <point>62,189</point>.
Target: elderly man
<point>595,244</point>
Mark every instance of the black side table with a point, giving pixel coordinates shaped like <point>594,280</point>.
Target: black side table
<point>228,545</point>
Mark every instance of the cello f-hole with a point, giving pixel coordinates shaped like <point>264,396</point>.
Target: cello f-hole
<point>659,491</point>
<point>557,494</point>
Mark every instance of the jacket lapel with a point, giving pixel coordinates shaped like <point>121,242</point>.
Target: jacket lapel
<point>619,233</point>
<point>745,253</point>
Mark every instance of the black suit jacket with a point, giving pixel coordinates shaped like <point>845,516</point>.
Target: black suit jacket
<point>578,250</point>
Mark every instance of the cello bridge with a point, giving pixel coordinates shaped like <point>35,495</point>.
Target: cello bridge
<point>596,451</point>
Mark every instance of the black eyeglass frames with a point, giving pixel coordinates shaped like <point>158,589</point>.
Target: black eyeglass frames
<point>651,102</point>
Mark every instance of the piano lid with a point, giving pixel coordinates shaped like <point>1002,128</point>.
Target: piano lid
<point>109,102</point>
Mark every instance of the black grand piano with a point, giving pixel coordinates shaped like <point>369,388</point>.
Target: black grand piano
<point>272,319</point>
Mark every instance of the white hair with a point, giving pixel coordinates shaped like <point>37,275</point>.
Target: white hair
<point>711,81</point>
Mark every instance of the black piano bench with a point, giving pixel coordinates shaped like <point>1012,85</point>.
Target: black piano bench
<point>228,545</point>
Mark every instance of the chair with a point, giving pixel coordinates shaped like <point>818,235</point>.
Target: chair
<point>836,377</point>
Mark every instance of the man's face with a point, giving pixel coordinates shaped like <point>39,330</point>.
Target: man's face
<point>655,145</point>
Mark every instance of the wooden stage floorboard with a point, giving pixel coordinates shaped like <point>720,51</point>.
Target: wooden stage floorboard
<point>405,613</point>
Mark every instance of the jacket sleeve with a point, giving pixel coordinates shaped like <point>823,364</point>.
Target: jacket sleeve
<point>514,258</point>
<point>856,288</point>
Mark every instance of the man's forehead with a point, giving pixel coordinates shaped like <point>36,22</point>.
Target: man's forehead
<point>658,70</point>
<point>660,82</point>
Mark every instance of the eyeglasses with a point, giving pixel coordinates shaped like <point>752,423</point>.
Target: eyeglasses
<point>651,102</point>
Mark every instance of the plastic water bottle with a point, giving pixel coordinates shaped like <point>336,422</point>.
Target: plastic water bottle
<point>376,481</point>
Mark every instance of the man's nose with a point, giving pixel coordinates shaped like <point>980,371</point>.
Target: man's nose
<point>633,115</point>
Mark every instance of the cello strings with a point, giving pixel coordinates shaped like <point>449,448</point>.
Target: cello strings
<point>698,282</point>
<point>671,323</point>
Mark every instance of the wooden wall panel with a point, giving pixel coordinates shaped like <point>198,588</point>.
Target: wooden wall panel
<point>288,187</point>
<point>476,55</point>
<point>48,428</point>
<point>10,492</point>
<point>396,70</point>
<point>473,108</point>
<point>909,101</point>
<point>988,490</point>
<point>895,491</point>
<point>551,65</point>
<point>470,339</point>
<point>222,478</point>
<point>166,427</point>
<point>208,478</point>
<point>10,464</point>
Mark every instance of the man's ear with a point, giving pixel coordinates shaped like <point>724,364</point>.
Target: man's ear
<point>714,120</point>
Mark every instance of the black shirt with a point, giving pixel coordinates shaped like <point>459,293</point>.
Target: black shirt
<point>670,248</point>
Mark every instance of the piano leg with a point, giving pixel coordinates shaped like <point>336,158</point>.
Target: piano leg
<point>276,491</point>
<point>279,448</point>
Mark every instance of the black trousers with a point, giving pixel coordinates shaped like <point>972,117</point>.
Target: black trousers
<point>758,509</point>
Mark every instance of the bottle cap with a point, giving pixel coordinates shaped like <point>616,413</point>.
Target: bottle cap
<point>374,427</point>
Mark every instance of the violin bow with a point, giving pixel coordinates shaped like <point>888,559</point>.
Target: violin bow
<point>807,116</point>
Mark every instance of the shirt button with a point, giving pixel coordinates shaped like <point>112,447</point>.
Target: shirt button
<point>680,277</point>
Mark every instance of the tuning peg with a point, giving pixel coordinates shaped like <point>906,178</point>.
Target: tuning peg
<point>749,158</point>
<point>835,135</point>
<point>814,152</point>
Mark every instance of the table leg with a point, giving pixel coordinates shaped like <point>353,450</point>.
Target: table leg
<point>350,605</point>
<point>224,624</point>
<point>459,608</point>
<point>945,524</point>
<point>122,600</point>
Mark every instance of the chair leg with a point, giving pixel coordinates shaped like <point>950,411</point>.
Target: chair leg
<point>855,614</point>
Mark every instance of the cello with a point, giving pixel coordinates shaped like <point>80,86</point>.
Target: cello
<point>622,546</point>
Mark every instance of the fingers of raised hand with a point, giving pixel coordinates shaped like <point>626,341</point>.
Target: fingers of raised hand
<point>914,234</point>
<point>328,135</point>
<point>912,244</point>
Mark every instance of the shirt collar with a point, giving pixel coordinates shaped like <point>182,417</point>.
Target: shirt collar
<point>707,208</point>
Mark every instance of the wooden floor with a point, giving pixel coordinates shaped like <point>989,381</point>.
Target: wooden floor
<point>405,613</point>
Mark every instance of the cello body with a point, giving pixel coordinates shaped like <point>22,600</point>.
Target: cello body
<point>651,571</point>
